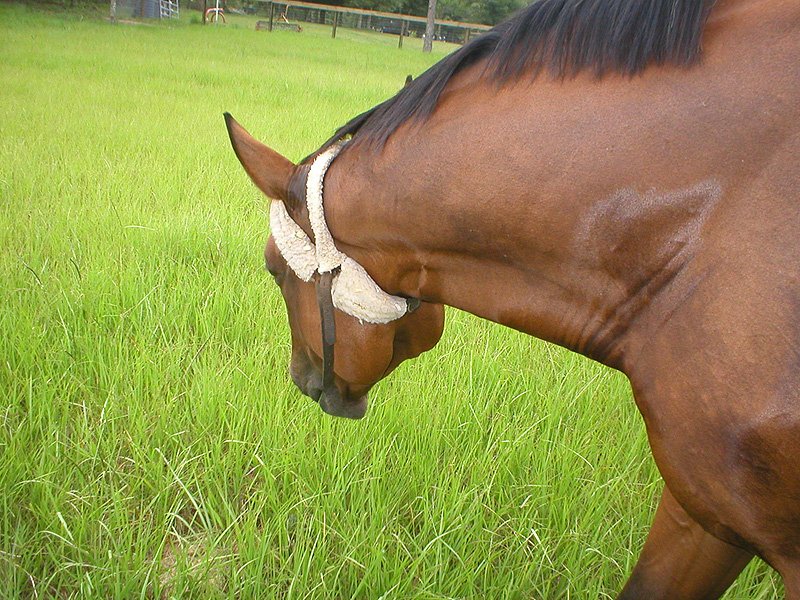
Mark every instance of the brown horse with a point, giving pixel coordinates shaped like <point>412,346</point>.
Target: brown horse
<point>622,178</point>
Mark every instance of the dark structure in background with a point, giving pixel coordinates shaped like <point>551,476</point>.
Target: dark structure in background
<point>144,9</point>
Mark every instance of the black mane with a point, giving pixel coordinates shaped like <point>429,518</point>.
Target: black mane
<point>562,37</point>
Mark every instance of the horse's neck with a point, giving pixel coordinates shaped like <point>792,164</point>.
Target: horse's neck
<point>576,276</point>
<point>579,207</point>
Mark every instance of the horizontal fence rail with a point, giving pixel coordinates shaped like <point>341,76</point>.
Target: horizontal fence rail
<point>281,12</point>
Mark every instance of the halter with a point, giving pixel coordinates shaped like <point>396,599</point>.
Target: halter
<point>341,281</point>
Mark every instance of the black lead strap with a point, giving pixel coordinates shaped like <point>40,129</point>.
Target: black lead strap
<point>325,302</point>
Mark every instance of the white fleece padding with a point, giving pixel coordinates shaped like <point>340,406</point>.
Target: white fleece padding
<point>357,294</point>
<point>328,256</point>
<point>297,250</point>
<point>353,290</point>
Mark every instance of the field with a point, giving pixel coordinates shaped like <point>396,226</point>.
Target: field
<point>151,442</point>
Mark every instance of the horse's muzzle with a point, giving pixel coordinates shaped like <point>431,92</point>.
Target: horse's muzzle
<point>331,401</point>
<point>334,404</point>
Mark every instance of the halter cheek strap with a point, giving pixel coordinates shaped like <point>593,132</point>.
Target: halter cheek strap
<point>323,288</point>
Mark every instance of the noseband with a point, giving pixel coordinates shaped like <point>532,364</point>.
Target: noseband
<point>341,282</point>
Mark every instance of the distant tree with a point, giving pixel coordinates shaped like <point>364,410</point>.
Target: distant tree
<point>488,12</point>
<point>494,11</point>
<point>415,7</point>
<point>382,5</point>
<point>454,10</point>
<point>427,44</point>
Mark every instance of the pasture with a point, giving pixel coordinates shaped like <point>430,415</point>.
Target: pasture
<point>152,444</point>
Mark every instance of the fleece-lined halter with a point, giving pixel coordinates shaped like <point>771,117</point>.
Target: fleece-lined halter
<point>342,282</point>
<point>353,290</point>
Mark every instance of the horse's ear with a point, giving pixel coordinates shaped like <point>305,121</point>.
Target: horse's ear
<point>269,170</point>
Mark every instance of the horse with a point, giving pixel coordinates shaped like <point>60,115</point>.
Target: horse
<point>619,177</point>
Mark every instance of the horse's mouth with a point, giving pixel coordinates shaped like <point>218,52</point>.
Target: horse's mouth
<point>335,404</point>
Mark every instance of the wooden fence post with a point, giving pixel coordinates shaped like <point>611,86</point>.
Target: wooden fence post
<point>402,33</point>
<point>335,23</point>
<point>271,15</point>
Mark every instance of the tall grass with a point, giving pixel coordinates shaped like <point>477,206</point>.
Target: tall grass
<point>151,443</point>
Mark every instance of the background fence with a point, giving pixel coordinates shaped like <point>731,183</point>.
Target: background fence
<point>290,15</point>
<point>281,14</point>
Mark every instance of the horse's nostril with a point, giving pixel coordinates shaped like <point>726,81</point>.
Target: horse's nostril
<point>307,383</point>
<point>314,393</point>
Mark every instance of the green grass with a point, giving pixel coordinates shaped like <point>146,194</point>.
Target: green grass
<point>151,443</point>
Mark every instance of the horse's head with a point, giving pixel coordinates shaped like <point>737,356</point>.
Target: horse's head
<point>363,353</point>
